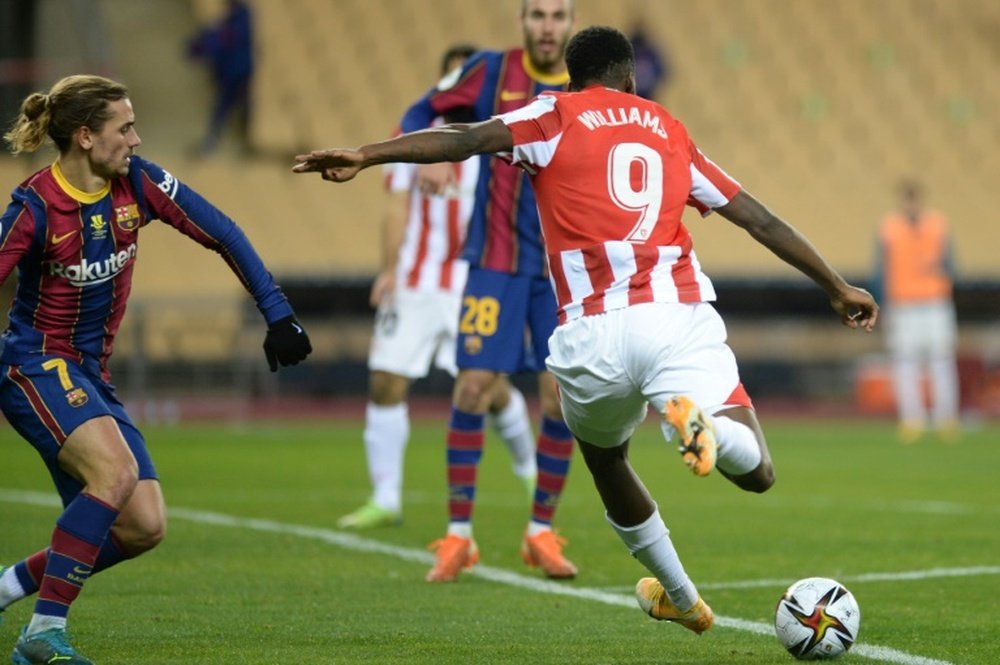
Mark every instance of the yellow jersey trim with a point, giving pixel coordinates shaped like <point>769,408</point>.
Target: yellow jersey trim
<point>544,79</point>
<point>78,194</point>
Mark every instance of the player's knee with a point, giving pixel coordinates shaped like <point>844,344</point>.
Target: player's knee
<point>141,536</point>
<point>152,537</point>
<point>761,479</point>
<point>116,484</point>
<point>385,389</point>
<point>551,408</point>
<point>548,397</point>
<point>473,396</point>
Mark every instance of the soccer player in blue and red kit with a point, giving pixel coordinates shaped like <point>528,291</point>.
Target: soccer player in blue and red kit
<point>72,231</point>
<point>507,292</point>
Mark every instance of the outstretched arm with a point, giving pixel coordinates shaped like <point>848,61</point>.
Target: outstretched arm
<point>854,305</point>
<point>447,143</point>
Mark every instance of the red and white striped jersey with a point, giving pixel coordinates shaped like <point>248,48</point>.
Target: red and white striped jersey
<point>430,256</point>
<point>612,173</point>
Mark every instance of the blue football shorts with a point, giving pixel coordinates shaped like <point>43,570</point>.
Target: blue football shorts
<point>46,399</point>
<point>505,322</point>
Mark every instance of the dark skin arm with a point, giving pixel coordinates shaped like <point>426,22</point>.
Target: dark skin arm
<point>855,306</point>
<point>457,142</point>
<point>447,143</point>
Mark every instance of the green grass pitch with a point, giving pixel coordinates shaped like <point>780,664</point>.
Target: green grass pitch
<point>254,571</point>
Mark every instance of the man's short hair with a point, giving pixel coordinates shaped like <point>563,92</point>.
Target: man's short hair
<point>599,54</point>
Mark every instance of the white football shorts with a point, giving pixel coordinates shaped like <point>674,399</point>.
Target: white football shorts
<point>414,329</point>
<point>610,366</point>
<point>922,330</point>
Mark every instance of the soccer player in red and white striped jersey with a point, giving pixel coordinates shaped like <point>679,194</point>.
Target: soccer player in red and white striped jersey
<point>612,173</point>
<point>418,294</point>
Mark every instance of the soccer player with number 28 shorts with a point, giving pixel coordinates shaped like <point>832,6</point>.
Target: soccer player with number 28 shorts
<point>507,296</point>
<point>72,231</point>
<point>418,295</point>
<point>418,298</point>
<point>613,173</point>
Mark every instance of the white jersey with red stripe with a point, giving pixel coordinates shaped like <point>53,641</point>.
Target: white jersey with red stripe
<point>612,173</point>
<point>430,256</point>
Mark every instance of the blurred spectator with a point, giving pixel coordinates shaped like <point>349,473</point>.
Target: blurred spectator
<point>227,49</point>
<point>915,274</point>
<point>652,64</point>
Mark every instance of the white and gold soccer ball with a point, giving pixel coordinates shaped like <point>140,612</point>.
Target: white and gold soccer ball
<point>817,619</point>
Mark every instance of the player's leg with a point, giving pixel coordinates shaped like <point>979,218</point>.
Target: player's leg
<point>96,469</point>
<point>603,404</point>
<point>97,455</point>
<point>512,422</point>
<point>508,411</point>
<point>142,523</point>
<point>404,342</point>
<point>140,526</point>
<point>943,370</point>
<point>691,375</point>
<point>554,454</point>
<point>670,594</point>
<point>490,343</point>
<point>743,456</point>
<point>471,397</point>
<point>541,546</point>
<point>944,389</point>
<point>907,387</point>
<point>905,331</point>
<point>386,433</point>
<point>473,392</point>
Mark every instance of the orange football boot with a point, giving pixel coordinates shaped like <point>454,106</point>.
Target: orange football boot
<point>654,601</point>
<point>453,554</point>
<point>698,446</point>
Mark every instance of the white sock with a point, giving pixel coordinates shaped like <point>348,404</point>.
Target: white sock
<point>513,424</point>
<point>738,451</point>
<point>387,429</point>
<point>41,622</point>
<point>535,528</point>
<point>462,529</point>
<point>10,588</point>
<point>650,543</point>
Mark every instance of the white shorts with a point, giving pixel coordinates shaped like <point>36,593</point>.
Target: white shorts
<point>413,329</point>
<point>921,331</point>
<point>610,366</point>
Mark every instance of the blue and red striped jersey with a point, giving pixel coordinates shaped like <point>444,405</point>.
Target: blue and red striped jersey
<point>75,252</point>
<point>504,233</point>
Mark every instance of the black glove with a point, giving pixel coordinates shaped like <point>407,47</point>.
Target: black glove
<point>286,343</point>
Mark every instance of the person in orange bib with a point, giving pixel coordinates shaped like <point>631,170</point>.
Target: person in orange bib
<point>915,273</point>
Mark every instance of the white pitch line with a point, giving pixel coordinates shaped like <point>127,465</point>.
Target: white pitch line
<point>930,573</point>
<point>356,543</point>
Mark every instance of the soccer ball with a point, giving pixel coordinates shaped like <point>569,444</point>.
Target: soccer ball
<point>817,619</point>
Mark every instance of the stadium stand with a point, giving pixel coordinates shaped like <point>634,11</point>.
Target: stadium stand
<point>818,107</point>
